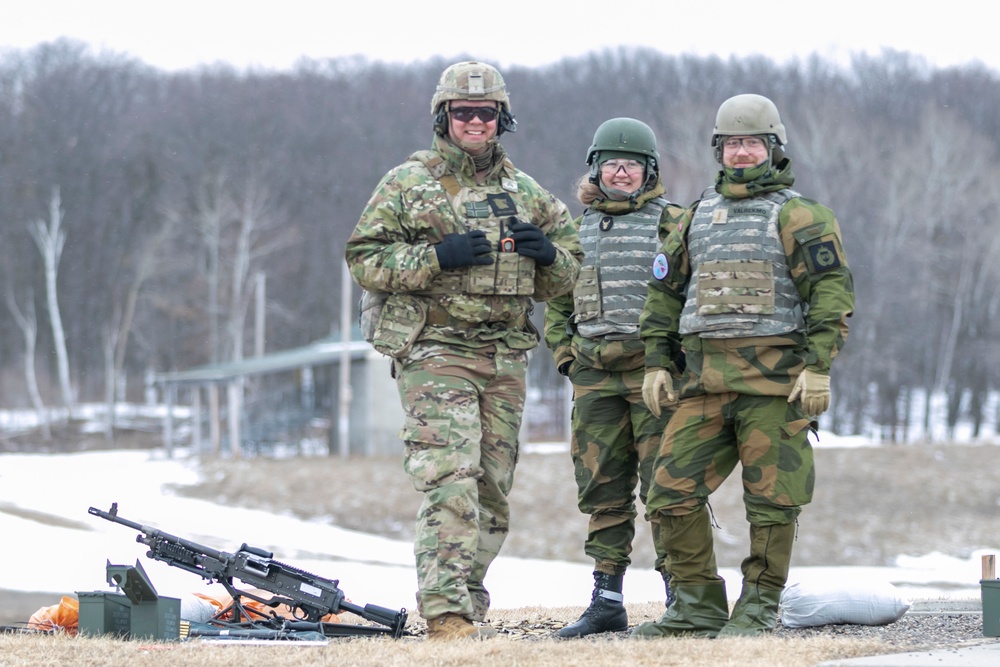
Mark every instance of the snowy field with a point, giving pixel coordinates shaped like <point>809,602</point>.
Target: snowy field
<point>52,544</point>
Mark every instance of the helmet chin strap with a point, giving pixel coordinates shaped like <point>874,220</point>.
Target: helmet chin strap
<point>614,194</point>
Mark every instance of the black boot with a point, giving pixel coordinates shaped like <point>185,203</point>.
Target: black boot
<point>606,612</point>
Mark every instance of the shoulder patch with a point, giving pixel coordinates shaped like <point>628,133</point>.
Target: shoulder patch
<point>660,267</point>
<point>824,256</point>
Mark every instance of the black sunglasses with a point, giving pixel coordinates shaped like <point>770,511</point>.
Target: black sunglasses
<point>466,114</point>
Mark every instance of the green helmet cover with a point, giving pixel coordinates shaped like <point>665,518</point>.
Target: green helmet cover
<point>624,137</point>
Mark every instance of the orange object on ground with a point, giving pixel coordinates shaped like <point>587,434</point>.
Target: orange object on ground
<point>63,616</point>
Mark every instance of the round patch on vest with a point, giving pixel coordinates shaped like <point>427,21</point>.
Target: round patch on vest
<point>660,267</point>
<point>607,222</point>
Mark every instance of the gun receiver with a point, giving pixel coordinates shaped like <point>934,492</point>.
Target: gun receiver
<point>310,596</point>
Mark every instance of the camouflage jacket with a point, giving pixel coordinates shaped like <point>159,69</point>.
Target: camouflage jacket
<point>766,365</point>
<point>392,247</point>
<point>601,352</point>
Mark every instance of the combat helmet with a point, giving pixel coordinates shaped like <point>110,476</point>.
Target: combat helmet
<point>471,80</point>
<point>624,138</point>
<point>748,114</point>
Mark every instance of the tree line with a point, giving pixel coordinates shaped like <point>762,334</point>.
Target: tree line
<point>144,210</point>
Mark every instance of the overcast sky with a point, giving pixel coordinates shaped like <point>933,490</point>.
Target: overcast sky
<point>182,34</point>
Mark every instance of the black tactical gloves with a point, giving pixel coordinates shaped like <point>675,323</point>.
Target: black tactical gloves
<point>531,241</point>
<point>458,250</point>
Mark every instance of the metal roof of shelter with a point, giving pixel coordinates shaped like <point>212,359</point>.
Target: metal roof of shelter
<point>325,351</point>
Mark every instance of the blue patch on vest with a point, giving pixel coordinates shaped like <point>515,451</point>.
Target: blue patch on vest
<point>660,267</point>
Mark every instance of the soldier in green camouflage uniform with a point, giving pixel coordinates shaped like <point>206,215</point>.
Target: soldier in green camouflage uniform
<point>756,291</point>
<point>454,245</point>
<point>594,337</point>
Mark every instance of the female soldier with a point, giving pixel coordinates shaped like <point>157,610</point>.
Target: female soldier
<point>594,337</point>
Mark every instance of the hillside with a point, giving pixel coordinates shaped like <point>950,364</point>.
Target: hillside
<point>871,504</point>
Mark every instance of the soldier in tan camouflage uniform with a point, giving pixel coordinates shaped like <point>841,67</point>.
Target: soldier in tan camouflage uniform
<point>594,337</point>
<point>756,291</point>
<point>454,245</point>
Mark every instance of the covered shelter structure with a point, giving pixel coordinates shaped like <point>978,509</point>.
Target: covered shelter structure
<point>330,394</point>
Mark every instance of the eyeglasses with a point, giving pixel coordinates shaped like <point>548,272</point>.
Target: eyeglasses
<point>466,114</point>
<point>749,143</point>
<point>630,166</point>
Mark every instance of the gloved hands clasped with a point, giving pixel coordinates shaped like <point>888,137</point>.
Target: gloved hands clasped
<point>655,382</point>
<point>531,241</point>
<point>457,250</point>
<point>813,388</point>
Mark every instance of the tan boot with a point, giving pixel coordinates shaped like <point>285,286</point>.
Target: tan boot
<point>452,627</point>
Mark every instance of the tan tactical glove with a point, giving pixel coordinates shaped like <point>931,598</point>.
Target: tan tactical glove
<point>814,390</point>
<point>655,381</point>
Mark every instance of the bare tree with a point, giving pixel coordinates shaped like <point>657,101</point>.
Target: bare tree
<point>213,210</point>
<point>28,324</point>
<point>50,239</point>
<point>260,232</point>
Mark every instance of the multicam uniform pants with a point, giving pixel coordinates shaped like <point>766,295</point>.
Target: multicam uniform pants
<point>463,412</point>
<point>615,441</point>
<point>709,434</point>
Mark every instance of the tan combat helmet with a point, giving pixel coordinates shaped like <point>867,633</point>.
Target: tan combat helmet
<point>748,114</point>
<point>471,80</point>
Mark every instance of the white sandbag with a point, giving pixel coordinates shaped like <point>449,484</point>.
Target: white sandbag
<point>810,604</point>
<point>196,609</point>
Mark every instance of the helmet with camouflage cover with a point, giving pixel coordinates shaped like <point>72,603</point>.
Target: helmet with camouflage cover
<point>748,114</point>
<point>471,80</point>
<point>625,138</point>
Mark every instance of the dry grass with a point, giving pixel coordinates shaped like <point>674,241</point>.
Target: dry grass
<point>507,650</point>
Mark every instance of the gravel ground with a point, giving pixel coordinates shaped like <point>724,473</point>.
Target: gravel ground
<point>911,633</point>
<point>917,630</point>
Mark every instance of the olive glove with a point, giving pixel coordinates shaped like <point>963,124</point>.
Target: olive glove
<point>655,381</point>
<point>813,388</point>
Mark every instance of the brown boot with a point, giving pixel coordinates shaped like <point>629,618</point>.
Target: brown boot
<point>452,626</point>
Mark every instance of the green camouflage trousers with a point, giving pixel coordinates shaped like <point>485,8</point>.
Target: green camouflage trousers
<point>711,433</point>
<point>615,441</point>
<point>463,411</point>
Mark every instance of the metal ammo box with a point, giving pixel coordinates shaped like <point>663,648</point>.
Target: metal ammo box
<point>139,613</point>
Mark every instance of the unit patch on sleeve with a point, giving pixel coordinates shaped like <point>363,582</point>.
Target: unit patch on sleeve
<point>660,267</point>
<point>823,256</point>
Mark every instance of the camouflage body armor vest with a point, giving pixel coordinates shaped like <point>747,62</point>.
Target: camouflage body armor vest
<point>617,250</point>
<point>740,283</point>
<point>488,208</point>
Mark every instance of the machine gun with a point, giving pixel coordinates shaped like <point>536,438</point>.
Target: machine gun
<point>309,596</point>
